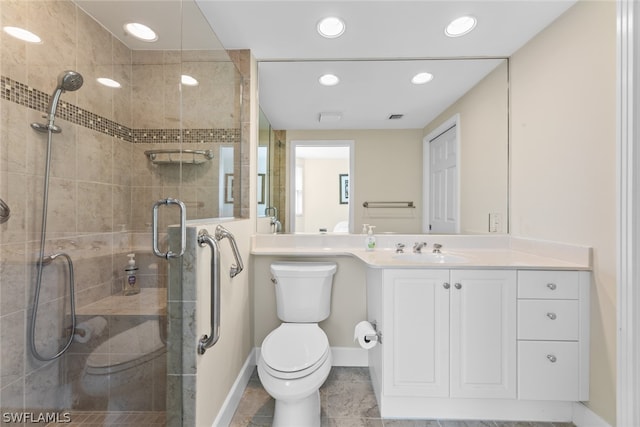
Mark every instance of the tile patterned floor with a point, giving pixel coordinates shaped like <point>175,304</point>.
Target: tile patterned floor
<point>348,400</point>
<point>113,419</point>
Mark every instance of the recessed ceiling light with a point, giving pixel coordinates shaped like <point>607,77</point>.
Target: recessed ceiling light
<point>141,31</point>
<point>329,80</point>
<point>22,34</point>
<point>422,78</point>
<point>105,81</point>
<point>188,80</point>
<point>331,27</point>
<point>460,26</point>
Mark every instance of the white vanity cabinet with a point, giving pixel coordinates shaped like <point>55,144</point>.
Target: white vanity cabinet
<point>449,333</point>
<point>479,343</point>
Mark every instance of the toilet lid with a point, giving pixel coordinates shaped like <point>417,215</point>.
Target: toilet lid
<point>294,347</point>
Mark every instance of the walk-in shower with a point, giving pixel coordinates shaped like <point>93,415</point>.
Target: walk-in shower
<point>67,81</point>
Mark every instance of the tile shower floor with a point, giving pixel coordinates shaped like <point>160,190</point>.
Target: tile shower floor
<point>347,400</point>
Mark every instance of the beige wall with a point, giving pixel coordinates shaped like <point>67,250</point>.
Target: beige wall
<point>563,133</point>
<point>219,367</point>
<point>483,134</point>
<point>387,168</point>
<point>322,208</point>
<point>348,300</point>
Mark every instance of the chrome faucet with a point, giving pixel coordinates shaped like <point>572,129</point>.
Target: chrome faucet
<point>399,248</point>
<point>436,248</point>
<point>417,247</point>
<point>276,226</point>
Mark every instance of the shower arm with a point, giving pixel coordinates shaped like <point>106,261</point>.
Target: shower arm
<point>222,233</point>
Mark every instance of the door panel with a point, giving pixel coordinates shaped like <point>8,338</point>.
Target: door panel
<point>483,334</point>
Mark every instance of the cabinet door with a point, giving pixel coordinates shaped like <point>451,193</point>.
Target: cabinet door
<point>483,333</point>
<point>416,334</point>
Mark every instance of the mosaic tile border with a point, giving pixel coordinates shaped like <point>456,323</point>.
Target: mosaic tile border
<point>22,94</point>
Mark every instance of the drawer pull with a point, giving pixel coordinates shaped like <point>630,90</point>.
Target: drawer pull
<point>551,358</point>
<point>552,316</point>
<point>446,285</point>
<point>458,285</point>
<point>552,286</point>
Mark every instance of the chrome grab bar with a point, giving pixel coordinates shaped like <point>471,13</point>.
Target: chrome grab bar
<point>222,233</point>
<point>207,341</point>
<point>183,230</point>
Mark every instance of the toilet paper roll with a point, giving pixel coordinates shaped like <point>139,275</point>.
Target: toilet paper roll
<point>362,330</point>
<point>89,328</point>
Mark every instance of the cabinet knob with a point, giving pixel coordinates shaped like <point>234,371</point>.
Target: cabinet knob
<point>551,286</point>
<point>552,316</point>
<point>458,285</point>
<point>551,358</point>
<point>446,285</point>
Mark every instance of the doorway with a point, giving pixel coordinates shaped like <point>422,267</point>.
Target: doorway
<point>321,182</point>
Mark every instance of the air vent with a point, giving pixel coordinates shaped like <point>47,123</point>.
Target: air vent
<point>396,116</point>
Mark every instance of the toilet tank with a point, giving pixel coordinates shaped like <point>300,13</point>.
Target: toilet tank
<point>303,290</point>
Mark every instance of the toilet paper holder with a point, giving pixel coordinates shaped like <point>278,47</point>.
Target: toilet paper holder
<point>377,336</point>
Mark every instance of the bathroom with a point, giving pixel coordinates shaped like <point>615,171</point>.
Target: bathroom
<point>537,181</point>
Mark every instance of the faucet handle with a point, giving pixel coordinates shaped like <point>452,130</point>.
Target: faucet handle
<point>436,248</point>
<point>399,248</point>
<point>417,247</point>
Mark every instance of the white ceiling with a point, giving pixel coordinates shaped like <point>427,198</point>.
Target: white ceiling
<point>384,45</point>
<point>388,40</point>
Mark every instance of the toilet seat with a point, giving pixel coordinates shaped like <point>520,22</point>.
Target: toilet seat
<point>294,350</point>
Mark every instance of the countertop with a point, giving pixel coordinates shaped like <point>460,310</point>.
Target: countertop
<point>475,251</point>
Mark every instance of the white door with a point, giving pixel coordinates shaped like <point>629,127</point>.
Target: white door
<point>416,346</point>
<point>443,182</point>
<point>483,333</point>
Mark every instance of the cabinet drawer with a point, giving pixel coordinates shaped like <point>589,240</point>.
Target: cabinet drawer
<point>548,320</point>
<point>548,284</point>
<point>548,371</point>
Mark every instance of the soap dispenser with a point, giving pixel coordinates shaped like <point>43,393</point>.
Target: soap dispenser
<point>370,240</point>
<point>130,285</point>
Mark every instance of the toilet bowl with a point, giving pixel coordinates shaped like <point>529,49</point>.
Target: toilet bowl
<point>117,365</point>
<point>295,358</point>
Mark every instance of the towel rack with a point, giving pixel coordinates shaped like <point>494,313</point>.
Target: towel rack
<point>194,157</point>
<point>388,205</point>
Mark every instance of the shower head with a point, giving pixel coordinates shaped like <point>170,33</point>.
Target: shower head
<point>67,81</point>
<point>70,80</point>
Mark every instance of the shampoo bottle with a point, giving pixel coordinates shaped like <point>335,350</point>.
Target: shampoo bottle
<point>370,240</point>
<point>130,285</point>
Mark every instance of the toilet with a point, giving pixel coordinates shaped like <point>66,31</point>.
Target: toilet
<point>116,365</point>
<point>295,358</point>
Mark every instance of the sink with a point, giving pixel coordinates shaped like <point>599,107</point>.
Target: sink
<point>431,258</point>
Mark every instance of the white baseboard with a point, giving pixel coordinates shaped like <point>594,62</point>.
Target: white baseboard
<point>235,394</point>
<point>585,417</point>
<point>342,356</point>
<point>350,356</point>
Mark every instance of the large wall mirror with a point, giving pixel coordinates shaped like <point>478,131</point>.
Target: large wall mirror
<point>390,185</point>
